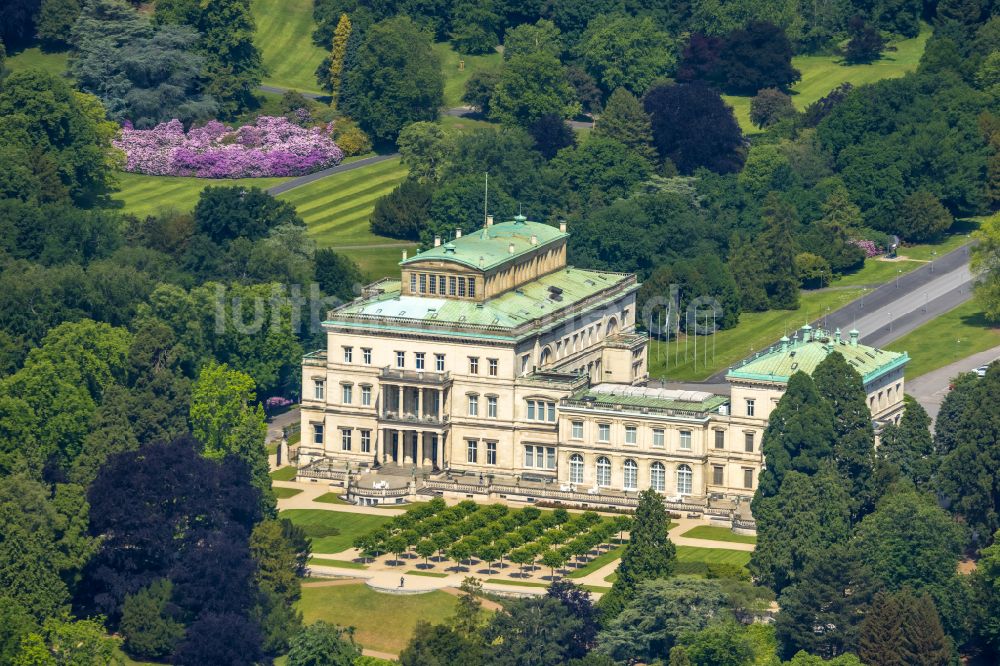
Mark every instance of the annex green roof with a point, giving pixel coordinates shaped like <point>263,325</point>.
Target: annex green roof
<point>803,354</point>
<point>531,301</point>
<point>489,247</point>
<point>639,398</point>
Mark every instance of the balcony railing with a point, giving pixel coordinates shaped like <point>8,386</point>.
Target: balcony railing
<point>419,376</point>
<point>413,419</point>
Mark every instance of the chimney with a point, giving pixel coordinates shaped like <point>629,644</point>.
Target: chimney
<point>562,226</point>
<point>534,239</point>
<point>437,241</point>
<point>510,248</point>
<point>458,233</point>
<point>807,333</point>
<point>836,335</point>
<point>404,255</point>
<point>489,220</point>
<point>784,342</point>
<point>854,337</point>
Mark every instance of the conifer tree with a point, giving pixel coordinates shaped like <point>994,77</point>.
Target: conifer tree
<point>854,443</point>
<point>908,446</point>
<point>341,37</point>
<point>625,120</point>
<point>778,246</point>
<point>799,435</point>
<point>649,555</point>
<point>882,632</point>
<point>924,642</point>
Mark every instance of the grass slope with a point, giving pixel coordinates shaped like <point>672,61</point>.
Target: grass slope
<point>947,339</point>
<point>676,361</point>
<point>821,74</point>
<point>284,37</point>
<point>35,58</point>
<point>455,78</point>
<point>142,195</point>
<point>333,531</point>
<point>691,560</point>
<point>383,622</point>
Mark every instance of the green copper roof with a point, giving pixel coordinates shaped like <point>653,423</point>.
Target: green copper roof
<point>637,398</point>
<point>489,247</point>
<point>779,363</point>
<point>511,309</point>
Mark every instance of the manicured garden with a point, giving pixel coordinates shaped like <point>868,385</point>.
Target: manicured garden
<point>333,531</point>
<point>143,195</point>
<point>285,493</point>
<point>713,533</point>
<point>284,37</point>
<point>284,473</point>
<point>493,533</point>
<point>821,74</point>
<point>381,623</point>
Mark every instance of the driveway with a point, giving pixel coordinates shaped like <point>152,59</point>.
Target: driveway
<point>930,389</point>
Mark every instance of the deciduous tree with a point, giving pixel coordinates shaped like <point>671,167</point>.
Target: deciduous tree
<point>532,86</point>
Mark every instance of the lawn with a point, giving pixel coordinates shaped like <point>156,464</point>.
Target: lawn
<point>714,533</point>
<point>821,74</point>
<point>143,195</point>
<point>691,560</point>
<point>429,574</point>
<point>382,622</point>
<point>676,361</point>
<point>330,498</point>
<point>285,493</point>
<point>284,37</point>
<point>947,339</point>
<point>284,473</point>
<point>339,564</point>
<point>455,78</point>
<point>35,58</point>
<point>333,531</point>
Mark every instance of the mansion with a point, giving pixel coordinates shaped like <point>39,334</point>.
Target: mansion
<point>491,357</point>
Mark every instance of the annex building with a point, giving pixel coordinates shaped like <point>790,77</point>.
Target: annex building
<point>491,358</point>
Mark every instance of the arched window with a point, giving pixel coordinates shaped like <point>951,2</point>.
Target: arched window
<point>545,357</point>
<point>612,326</point>
<point>631,475</point>
<point>603,471</point>
<point>683,480</point>
<point>658,477</point>
<point>576,468</point>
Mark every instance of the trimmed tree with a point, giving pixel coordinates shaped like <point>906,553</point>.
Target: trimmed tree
<point>338,52</point>
<point>649,554</point>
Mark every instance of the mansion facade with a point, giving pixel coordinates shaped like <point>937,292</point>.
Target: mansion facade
<point>490,356</point>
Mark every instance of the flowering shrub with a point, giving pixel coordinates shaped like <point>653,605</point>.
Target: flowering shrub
<point>273,146</point>
<point>870,248</point>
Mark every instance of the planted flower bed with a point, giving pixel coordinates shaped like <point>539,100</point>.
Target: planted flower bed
<point>272,146</point>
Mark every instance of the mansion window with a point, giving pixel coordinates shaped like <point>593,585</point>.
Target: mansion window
<point>658,437</point>
<point>413,283</point>
<point>491,453</point>
<point>491,406</point>
<point>473,365</point>
<point>658,477</point>
<point>451,285</point>
<point>686,440</point>
<point>319,389</point>
<point>439,362</point>
<point>603,471</point>
<point>318,433</point>
<point>717,475</point>
<point>345,439</point>
<point>720,439</point>
<point>400,359</point>
<point>420,361</point>
<point>494,367</point>
<point>603,432</point>
<point>366,396</point>
<point>433,285</point>
<point>748,442</point>
<point>684,480</point>
<point>539,410</point>
<point>630,435</point>
<point>348,393</point>
<point>576,468</point>
<point>348,354</point>
<point>540,457</point>
<point>366,441</point>
<point>631,476</point>
<point>473,405</point>
<point>471,450</point>
<point>461,286</point>
<point>748,477</point>
<point>750,407</point>
<point>472,287</point>
<point>366,355</point>
<point>577,430</point>
<point>423,283</point>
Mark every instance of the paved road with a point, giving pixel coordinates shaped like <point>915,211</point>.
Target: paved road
<point>463,111</point>
<point>930,389</point>
<point>898,307</point>
<point>281,91</point>
<point>340,168</point>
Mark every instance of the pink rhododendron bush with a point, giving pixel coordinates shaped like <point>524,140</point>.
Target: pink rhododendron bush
<point>273,146</point>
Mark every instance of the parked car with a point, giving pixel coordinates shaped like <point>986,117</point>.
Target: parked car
<point>981,370</point>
